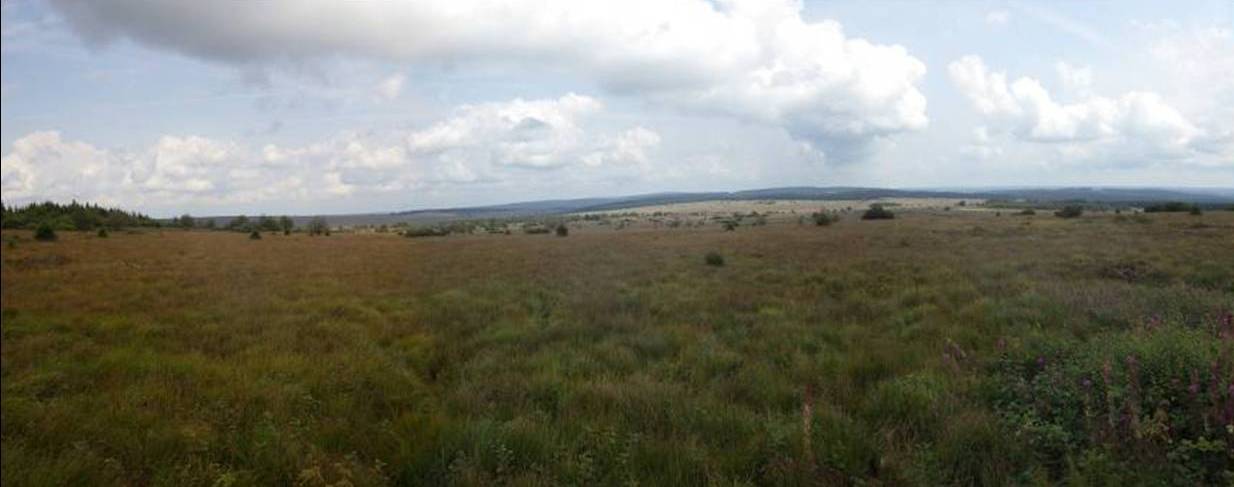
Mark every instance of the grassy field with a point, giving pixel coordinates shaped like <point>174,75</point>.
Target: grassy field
<point>938,348</point>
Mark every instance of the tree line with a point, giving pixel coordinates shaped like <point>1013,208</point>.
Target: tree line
<point>89,217</point>
<point>72,216</point>
<point>242,223</point>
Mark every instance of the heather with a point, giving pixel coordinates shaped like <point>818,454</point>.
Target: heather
<point>935,348</point>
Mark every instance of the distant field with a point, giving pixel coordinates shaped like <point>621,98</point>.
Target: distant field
<point>804,207</point>
<point>938,348</point>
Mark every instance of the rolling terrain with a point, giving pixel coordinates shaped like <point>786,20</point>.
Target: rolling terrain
<point>961,347</point>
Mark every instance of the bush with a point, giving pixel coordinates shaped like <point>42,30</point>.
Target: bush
<point>730,225</point>
<point>102,233</point>
<point>562,230</point>
<point>822,218</point>
<point>714,259</point>
<point>255,235</point>
<point>1171,207</point>
<point>1027,212</point>
<point>318,226</point>
<point>426,232</point>
<point>877,212</point>
<point>45,232</point>
<point>1196,211</point>
<point>535,229</point>
<point>1069,211</point>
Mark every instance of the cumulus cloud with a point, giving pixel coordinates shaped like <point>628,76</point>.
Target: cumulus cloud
<point>1136,126</point>
<point>756,60</point>
<point>481,143</point>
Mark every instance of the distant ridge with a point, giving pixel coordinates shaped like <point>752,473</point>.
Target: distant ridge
<point>1121,196</point>
<point>1128,196</point>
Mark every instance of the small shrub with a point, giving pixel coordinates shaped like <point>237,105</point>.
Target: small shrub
<point>1069,211</point>
<point>563,230</point>
<point>45,233</point>
<point>1027,212</point>
<point>714,259</point>
<point>102,233</point>
<point>730,225</point>
<point>877,212</point>
<point>1196,211</point>
<point>822,218</point>
<point>255,235</point>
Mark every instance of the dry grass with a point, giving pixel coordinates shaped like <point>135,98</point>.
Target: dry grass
<point>860,352</point>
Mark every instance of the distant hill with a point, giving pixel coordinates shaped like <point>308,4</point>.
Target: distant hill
<point>1110,196</point>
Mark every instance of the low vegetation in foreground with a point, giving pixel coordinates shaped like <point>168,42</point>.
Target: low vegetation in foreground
<point>936,348</point>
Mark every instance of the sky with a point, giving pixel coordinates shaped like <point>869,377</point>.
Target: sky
<point>310,107</point>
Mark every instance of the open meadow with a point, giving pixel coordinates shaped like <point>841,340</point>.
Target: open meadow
<point>959,348</point>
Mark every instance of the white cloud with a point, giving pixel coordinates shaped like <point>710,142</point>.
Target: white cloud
<point>390,88</point>
<point>982,146</point>
<point>629,148</point>
<point>755,60</point>
<point>1198,66</point>
<point>491,143</point>
<point>520,133</point>
<point>997,17</point>
<point>1135,127</point>
<point>43,163</point>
